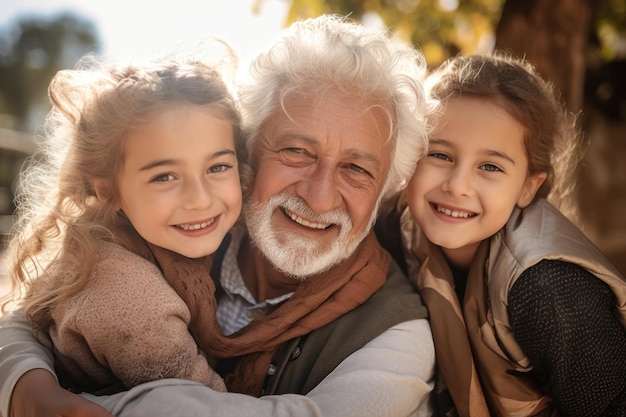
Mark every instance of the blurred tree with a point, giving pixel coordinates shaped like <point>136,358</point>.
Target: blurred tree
<point>441,28</point>
<point>565,39</point>
<point>31,51</point>
<point>555,41</point>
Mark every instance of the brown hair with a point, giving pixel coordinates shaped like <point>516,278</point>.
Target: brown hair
<point>552,141</point>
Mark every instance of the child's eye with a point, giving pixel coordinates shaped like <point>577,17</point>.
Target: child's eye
<point>439,155</point>
<point>163,178</point>
<point>490,167</point>
<point>215,169</point>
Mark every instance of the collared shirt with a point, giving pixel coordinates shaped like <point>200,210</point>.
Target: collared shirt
<point>237,307</point>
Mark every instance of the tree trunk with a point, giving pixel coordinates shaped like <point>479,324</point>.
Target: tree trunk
<point>552,35</point>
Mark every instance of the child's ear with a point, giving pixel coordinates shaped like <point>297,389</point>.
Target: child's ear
<point>531,186</point>
<point>103,189</point>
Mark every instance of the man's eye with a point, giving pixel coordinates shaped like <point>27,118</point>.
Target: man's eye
<point>357,168</point>
<point>297,151</point>
<point>295,155</point>
<point>357,172</point>
<point>163,178</point>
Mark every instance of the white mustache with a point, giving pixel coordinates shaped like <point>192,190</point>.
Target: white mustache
<point>296,205</point>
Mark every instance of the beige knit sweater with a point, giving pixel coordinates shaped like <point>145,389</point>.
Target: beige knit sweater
<point>128,325</point>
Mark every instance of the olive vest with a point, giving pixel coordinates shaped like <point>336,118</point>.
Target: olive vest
<point>305,361</point>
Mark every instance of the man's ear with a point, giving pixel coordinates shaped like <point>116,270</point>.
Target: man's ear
<point>531,186</point>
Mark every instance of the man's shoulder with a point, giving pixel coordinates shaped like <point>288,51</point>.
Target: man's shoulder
<point>319,352</point>
<point>395,302</point>
<point>399,289</point>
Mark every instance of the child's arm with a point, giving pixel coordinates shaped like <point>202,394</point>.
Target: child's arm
<point>41,384</point>
<point>26,373</point>
<point>129,320</point>
<point>564,320</point>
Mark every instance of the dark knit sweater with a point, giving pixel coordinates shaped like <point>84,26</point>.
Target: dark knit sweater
<point>564,320</point>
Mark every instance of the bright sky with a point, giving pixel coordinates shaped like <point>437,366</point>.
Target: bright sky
<point>136,28</point>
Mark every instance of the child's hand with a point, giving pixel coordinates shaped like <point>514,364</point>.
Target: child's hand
<point>37,394</point>
<point>217,383</point>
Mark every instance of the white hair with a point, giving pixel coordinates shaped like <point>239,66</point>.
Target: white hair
<point>335,52</point>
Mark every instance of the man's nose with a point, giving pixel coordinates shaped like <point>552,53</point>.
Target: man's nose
<point>320,189</point>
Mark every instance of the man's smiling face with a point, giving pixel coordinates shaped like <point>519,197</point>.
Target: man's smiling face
<point>320,170</point>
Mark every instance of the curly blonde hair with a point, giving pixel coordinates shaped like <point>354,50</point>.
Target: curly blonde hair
<point>59,219</point>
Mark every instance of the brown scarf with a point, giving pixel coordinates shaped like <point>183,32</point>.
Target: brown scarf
<point>316,302</point>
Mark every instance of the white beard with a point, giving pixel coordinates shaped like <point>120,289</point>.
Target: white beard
<point>293,254</point>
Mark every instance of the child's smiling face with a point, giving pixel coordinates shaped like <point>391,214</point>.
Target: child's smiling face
<point>475,172</point>
<point>179,185</point>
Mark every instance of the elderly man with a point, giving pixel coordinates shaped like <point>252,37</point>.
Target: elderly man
<point>334,113</point>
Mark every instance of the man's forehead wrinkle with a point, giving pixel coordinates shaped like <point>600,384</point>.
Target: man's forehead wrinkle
<point>294,125</point>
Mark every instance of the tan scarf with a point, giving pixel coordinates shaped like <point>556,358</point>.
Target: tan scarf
<point>317,301</point>
<point>452,347</point>
<point>481,381</point>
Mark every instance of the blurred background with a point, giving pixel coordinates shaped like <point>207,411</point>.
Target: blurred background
<point>580,45</point>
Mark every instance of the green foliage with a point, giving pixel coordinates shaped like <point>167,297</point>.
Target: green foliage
<point>31,52</point>
<point>443,28</point>
<point>610,30</point>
